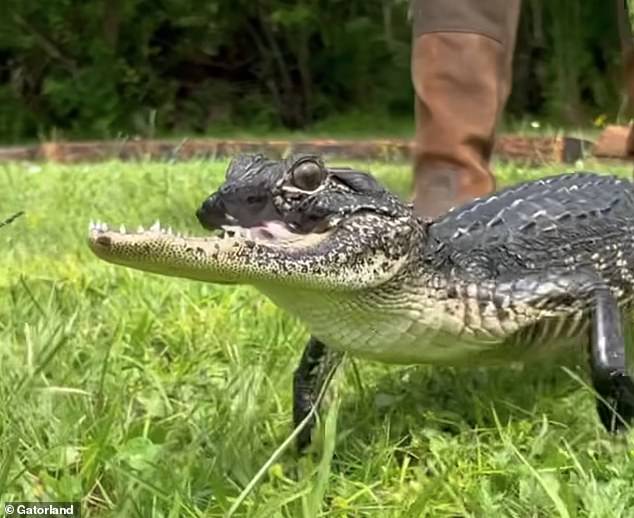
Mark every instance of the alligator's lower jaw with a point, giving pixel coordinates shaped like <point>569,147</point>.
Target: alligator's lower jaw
<point>237,256</point>
<point>155,251</point>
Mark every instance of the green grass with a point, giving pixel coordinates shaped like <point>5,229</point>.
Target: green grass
<point>149,396</point>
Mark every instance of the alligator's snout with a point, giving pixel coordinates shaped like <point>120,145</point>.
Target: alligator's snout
<point>212,214</point>
<point>231,207</point>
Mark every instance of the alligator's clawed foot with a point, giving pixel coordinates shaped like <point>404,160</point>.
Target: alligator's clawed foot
<point>312,377</point>
<point>616,402</point>
<point>305,436</point>
<point>608,362</point>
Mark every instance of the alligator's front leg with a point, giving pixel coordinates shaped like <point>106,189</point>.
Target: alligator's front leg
<point>610,378</point>
<point>311,376</point>
<point>608,365</point>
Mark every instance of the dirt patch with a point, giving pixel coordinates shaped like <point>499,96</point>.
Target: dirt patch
<point>531,149</point>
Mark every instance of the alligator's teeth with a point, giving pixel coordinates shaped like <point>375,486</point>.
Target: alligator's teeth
<point>122,229</point>
<point>140,230</point>
<point>169,231</point>
<point>156,227</point>
<point>91,225</point>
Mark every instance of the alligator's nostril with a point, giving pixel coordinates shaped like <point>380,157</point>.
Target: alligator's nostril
<point>215,203</point>
<point>252,200</point>
<point>104,240</point>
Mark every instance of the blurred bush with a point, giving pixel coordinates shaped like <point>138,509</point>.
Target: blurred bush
<point>106,68</point>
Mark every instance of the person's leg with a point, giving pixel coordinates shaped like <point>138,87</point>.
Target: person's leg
<point>461,70</point>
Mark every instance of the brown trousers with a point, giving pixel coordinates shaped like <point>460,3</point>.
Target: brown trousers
<point>461,71</point>
<point>462,55</point>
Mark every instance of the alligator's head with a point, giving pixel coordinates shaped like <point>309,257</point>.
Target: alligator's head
<point>290,223</point>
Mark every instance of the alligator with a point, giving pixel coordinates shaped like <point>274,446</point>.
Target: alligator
<point>541,269</point>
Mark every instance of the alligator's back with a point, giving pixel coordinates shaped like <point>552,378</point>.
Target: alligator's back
<point>573,221</point>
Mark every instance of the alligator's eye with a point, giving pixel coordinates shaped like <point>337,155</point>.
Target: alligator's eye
<point>308,176</point>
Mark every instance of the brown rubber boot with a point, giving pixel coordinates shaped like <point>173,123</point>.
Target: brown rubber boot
<point>629,91</point>
<point>627,54</point>
<point>461,71</point>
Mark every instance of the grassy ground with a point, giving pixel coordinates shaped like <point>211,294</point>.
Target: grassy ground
<point>149,396</point>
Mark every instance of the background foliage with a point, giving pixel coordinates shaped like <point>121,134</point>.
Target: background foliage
<point>103,67</point>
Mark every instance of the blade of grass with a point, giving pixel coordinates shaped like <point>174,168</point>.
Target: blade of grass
<point>281,448</point>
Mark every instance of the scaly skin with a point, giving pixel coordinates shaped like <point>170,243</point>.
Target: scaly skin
<point>527,271</point>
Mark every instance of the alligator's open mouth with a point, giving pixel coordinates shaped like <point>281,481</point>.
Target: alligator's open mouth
<point>342,257</point>
<point>234,255</point>
<point>273,233</point>
<point>162,245</point>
